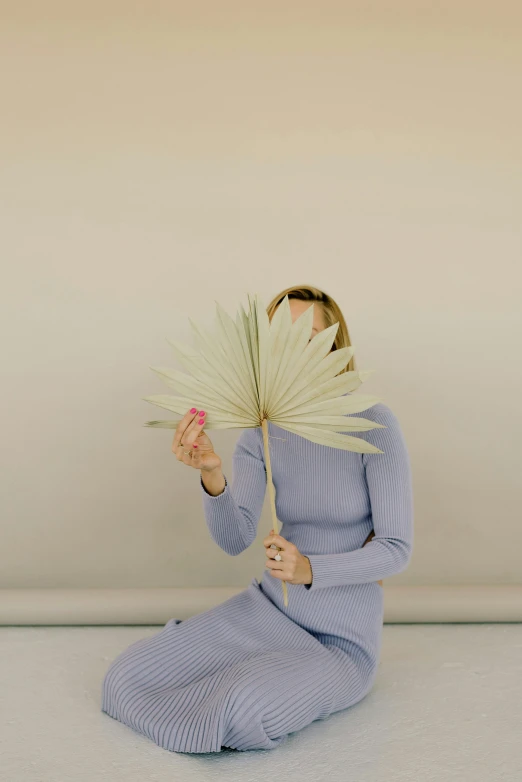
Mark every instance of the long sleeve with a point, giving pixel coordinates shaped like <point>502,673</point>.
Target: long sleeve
<point>388,476</point>
<point>232,517</point>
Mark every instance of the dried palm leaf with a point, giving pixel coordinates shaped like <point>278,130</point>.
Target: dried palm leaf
<point>250,371</point>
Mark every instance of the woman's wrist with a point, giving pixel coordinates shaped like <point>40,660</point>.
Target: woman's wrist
<point>214,481</point>
<point>311,576</point>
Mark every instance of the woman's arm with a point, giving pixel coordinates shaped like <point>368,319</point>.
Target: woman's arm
<point>388,477</point>
<point>370,536</point>
<point>232,516</point>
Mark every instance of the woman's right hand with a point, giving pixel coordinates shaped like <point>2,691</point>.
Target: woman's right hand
<point>189,436</point>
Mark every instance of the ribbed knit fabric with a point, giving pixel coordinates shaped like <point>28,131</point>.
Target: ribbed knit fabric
<point>250,671</point>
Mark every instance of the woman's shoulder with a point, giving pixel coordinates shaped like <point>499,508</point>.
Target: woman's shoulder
<point>389,436</point>
<point>380,413</point>
<point>250,441</point>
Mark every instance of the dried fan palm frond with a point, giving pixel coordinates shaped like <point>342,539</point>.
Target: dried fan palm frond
<point>250,371</point>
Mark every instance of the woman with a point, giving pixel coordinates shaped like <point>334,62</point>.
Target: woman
<point>250,671</point>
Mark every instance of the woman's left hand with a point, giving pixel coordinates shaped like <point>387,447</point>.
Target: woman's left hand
<point>294,567</point>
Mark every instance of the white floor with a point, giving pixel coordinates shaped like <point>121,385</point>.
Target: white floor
<point>446,705</point>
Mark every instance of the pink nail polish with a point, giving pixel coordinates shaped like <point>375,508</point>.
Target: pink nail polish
<point>193,410</point>
<point>201,421</point>
<point>202,412</point>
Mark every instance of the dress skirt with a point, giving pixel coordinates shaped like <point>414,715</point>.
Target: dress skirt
<point>247,673</point>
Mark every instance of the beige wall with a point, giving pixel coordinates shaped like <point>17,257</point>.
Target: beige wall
<point>155,160</point>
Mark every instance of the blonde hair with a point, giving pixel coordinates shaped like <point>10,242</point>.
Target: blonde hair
<point>331,314</point>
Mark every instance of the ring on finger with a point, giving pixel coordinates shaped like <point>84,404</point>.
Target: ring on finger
<point>278,557</point>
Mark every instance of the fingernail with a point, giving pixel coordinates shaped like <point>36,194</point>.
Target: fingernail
<point>193,410</point>
<point>201,421</point>
<point>202,412</point>
<point>195,445</point>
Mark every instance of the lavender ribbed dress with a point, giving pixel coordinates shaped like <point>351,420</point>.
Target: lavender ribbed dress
<point>250,671</point>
